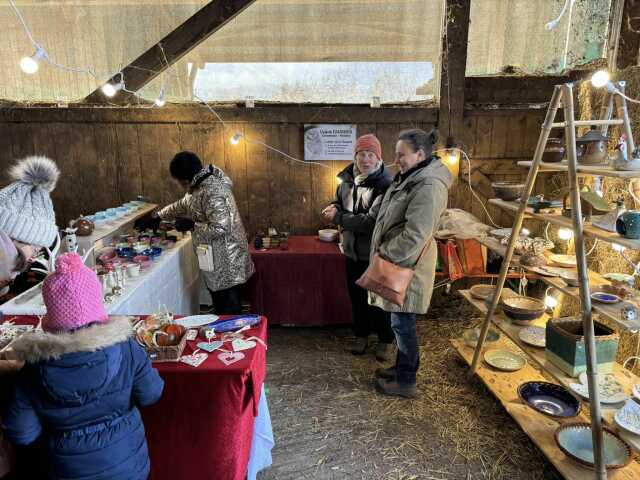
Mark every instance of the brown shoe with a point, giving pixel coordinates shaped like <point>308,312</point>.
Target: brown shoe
<point>383,351</point>
<point>393,388</point>
<point>360,345</point>
<point>386,373</point>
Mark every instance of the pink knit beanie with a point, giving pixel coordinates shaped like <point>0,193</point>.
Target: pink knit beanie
<point>73,296</point>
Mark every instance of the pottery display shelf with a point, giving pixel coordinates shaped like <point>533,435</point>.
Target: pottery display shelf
<point>538,427</point>
<point>610,311</point>
<point>537,357</point>
<point>600,170</point>
<point>559,220</point>
<point>102,236</point>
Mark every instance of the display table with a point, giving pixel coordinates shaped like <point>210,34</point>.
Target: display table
<point>212,421</point>
<point>304,285</point>
<point>171,281</point>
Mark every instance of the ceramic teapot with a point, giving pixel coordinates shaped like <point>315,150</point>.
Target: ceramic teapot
<point>592,148</point>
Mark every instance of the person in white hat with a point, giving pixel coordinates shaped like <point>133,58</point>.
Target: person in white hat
<point>27,219</point>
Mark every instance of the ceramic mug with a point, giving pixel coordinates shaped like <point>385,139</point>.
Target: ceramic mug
<point>628,224</point>
<point>133,270</point>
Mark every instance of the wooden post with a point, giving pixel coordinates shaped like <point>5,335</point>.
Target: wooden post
<point>193,31</point>
<point>453,68</point>
<point>629,38</point>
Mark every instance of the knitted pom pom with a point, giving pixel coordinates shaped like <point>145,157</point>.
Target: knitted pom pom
<point>38,171</point>
<point>68,262</point>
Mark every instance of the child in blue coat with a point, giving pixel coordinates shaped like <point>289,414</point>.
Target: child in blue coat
<point>83,382</point>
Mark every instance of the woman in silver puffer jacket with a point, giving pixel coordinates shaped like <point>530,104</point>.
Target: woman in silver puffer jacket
<point>211,211</point>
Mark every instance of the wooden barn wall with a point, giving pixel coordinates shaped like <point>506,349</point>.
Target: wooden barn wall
<point>107,159</point>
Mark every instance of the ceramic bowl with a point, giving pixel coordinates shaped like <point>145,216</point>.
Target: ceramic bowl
<point>126,252</point>
<point>167,244</point>
<point>142,260</point>
<point>619,291</point>
<point>628,417</point>
<point>107,255</point>
<point>568,261</point>
<point>550,399</point>
<point>504,360</point>
<point>534,336</point>
<point>576,442</point>
<point>602,297</point>
<point>471,335</point>
<point>328,235</point>
<point>523,310</point>
<point>173,238</point>
<point>133,270</point>
<point>507,190</point>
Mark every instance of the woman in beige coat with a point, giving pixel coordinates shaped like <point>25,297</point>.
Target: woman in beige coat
<point>406,222</point>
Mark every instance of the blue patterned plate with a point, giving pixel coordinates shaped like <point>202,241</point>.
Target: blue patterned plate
<point>575,441</point>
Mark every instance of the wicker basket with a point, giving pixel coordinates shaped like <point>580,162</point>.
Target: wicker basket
<point>171,353</point>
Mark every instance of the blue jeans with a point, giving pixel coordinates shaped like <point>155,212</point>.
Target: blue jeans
<point>408,357</point>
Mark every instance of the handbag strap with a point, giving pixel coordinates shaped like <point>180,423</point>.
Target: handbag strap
<point>419,256</point>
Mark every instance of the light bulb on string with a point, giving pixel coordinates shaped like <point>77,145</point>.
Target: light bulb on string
<point>236,138</point>
<point>110,89</point>
<point>524,232</point>
<point>618,248</point>
<point>31,64</point>
<point>550,302</point>
<point>600,78</point>
<point>565,234</point>
<point>160,101</point>
<point>452,157</point>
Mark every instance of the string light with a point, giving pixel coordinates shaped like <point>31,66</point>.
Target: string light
<point>600,78</point>
<point>30,64</point>
<point>110,89</point>
<point>524,232</point>
<point>236,138</point>
<point>565,234</point>
<point>618,248</point>
<point>550,302</point>
<point>553,23</point>
<point>160,101</point>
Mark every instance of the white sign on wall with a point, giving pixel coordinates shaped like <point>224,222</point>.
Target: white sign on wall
<point>329,141</point>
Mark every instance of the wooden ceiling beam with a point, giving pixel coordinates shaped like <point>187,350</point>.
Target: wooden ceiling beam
<point>453,68</point>
<point>193,31</point>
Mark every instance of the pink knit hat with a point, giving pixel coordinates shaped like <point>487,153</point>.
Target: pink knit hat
<point>73,296</point>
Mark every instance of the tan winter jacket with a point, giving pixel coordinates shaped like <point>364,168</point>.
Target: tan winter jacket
<point>211,205</point>
<point>407,220</point>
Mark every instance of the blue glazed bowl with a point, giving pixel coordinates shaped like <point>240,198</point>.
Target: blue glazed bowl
<point>156,251</point>
<point>550,399</point>
<point>126,252</point>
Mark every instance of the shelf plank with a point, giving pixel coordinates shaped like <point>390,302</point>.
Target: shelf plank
<point>610,311</point>
<point>561,221</point>
<point>624,376</point>
<point>538,427</point>
<point>602,170</point>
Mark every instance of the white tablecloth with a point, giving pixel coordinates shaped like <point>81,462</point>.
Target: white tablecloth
<point>173,280</point>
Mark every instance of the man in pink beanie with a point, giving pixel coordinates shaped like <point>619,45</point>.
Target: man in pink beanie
<point>83,381</point>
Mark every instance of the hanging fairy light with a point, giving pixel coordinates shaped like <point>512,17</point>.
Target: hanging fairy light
<point>110,89</point>
<point>600,78</point>
<point>31,64</point>
<point>565,234</point>
<point>236,138</point>
<point>160,101</point>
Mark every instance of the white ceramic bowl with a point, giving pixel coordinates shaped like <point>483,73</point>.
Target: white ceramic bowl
<point>328,235</point>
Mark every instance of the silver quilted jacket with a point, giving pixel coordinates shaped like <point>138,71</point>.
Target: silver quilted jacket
<point>211,205</point>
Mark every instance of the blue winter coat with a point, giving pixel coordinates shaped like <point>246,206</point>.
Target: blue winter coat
<point>81,391</point>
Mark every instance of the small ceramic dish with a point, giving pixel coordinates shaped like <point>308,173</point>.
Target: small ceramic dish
<point>471,335</point>
<point>606,397</point>
<point>522,310</point>
<point>568,261</point>
<point>507,190</point>
<point>549,399</point>
<point>504,360</point>
<point>534,336</point>
<point>143,261</point>
<point>482,292</point>
<point>628,417</point>
<point>602,297</point>
<point>126,252</point>
<point>107,255</point>
<point>635,391</point>
<point>575,440</point>
<point>328,235</point>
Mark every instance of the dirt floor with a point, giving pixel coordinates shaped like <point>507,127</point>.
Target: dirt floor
<point>329,423</point>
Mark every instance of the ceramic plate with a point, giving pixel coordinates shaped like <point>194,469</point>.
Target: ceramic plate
<point>628,417</point>
<point>609,395</point>
<point>535,336</point>
<point>576,442</point>
<point>568,261</point>
<point>471,335</point>
<point>550,399</point>
<point>501,232</point>
<point>504,360</point>
<point>482,292</point>
<point>636,391</point>
<point>603,297</point>
<point>196,320</point>
<point>619,277</point>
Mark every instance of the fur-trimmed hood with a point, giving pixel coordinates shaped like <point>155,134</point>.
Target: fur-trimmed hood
<point>40,346</point>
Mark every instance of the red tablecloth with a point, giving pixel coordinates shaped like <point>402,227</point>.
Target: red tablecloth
<point>304,285</point>
<point>202,426</point>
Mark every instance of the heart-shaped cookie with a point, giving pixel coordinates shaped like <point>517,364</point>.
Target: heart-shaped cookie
<point>242,344</point>
<point>230,357</point>
<point>209,346</point>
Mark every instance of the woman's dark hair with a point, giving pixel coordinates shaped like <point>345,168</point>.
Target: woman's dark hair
<point>419,139</point>
<point>185,165</point>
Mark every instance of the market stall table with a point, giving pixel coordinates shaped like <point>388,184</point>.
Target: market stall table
<point>303,285</point>
<point>171,281</point>
<point>213,420</point>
